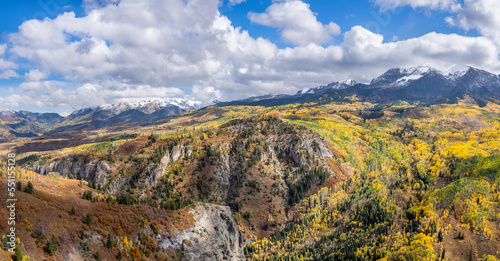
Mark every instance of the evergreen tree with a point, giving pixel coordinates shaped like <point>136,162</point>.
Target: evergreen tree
<point>88,219</point>
<point>19,186</point>
<point>109,241</point>
<point>73,211</point>
<point>52,246</point>
<point>29,188</point>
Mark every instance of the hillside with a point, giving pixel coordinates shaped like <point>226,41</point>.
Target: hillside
<point>318,181</point>
<point>21,124</point>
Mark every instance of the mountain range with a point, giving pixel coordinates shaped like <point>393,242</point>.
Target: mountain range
<point>27,124</point>
<point>405,167</point>
<point>411,84</point>
<point>421,83</point>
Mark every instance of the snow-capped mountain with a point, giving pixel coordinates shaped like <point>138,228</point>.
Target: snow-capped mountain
<point>129,112</point>
<point>147,107</point>
<point>334,85</point>
<point>27,124</point>
<point>400,77</point>
<point>407,83</point>
<point>302,93</point>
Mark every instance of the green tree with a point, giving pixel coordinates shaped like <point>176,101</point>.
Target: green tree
<point>52,246</point>
<point>88,219</point>
<point>73,211</point>
<point>109,241</point>
<point>29,188</point>
<point>5,240</point>
<point>19,253</point>
<point>19,186</point>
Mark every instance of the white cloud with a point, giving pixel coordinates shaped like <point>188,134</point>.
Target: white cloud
<point>439,50</point>
<point>89,5</point>
<point>163,48</point>
<point>481,15</point>
<point>236,2</point>
<point>54,94</point>
<point>35,75</point>
<point>6,67</point>
<point>432,4</point>
<point>298,24</point>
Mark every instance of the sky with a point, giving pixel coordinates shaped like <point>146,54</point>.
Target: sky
<point>61,55</point>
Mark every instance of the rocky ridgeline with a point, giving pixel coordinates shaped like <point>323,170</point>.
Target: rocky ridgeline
<point>100,171</point>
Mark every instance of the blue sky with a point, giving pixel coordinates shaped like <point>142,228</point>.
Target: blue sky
<point>404,22</point>
<point>59,55</point>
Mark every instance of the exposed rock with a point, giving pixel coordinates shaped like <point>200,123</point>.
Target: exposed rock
<point>177,153</point>
<point>215,236</point>
<point>99,171</point>
<point>94,170</point>
<point>222,176</point>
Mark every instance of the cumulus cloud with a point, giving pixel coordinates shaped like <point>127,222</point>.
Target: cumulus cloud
<point>143,50</point>
<point>432,4</point>
<point>7,68</point>
<point>433,49</point>
<point>298,24</point>
<point>35,75</point>
<point>481,15</point>
<point>54,94</point>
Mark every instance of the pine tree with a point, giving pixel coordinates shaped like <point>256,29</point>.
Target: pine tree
<point>29,188</point>
<point>88,219</point>
<point>109,241</point>
<point>73,211</point>
<point>19,186</point>
<point>52,246</point>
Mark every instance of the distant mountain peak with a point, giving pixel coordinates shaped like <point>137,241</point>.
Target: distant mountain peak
<point>457,71</point>
<point>421,83</point>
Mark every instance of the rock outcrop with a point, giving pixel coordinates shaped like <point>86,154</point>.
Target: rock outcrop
<point>97,171</point>
<point>178,152</point>
<point>215,236</point>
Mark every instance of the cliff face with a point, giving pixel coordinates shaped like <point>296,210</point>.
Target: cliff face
<point>215,236</point>
<point>93,170</point>
<point>100,171</point>
<point>177,153</point>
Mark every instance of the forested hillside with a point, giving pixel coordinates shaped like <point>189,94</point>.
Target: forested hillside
<point>327,180</point>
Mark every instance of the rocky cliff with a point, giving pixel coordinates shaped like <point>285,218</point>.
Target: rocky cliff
<point>94,170</point>
<point>215,236</point>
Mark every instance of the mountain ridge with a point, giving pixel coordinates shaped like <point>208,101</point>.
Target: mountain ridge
<point>406,83</point>
<point>18,123</point>
<point>421,83</point>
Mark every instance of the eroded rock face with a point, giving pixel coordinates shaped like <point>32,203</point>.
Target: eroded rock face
<point>99,171</point>
<point>177,153</point>
<point>94,170</point>
<point>215,236</point>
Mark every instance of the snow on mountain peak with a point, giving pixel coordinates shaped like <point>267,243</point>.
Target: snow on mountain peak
<point>456,71</point>
<point>419,70</point>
